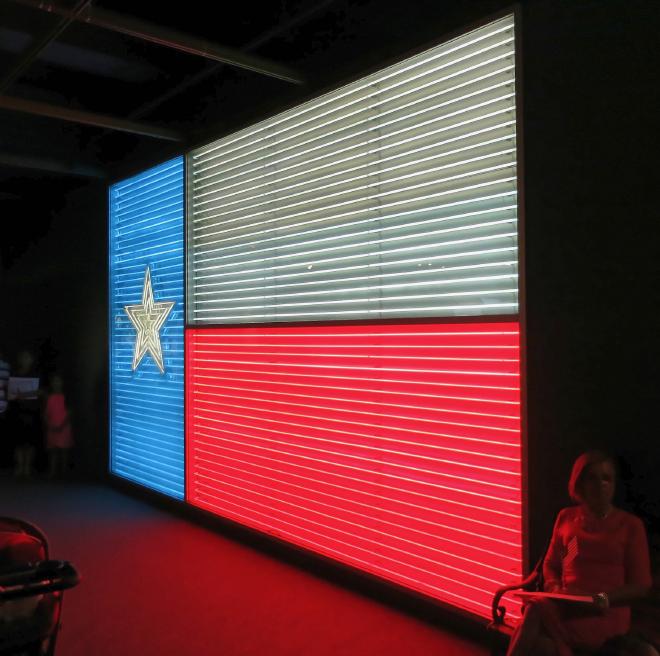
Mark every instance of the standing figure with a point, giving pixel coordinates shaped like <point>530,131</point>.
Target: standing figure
<point>59,438</point>
<point>4,384</point>
<point>4,380</point>
<point>25,423</point>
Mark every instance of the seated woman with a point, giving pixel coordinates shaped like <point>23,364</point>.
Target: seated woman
<point>596,550</point>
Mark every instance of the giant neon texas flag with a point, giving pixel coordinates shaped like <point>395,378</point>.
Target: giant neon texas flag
<point>352,356</point>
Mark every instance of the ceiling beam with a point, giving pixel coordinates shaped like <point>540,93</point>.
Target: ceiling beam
<point>212,69</point>
<point>51,165</point>
<point>33,52</point>
<point>87,118</point>
<point>172,38</point>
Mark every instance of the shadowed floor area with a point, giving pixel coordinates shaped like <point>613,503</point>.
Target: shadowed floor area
<point>154,583</point>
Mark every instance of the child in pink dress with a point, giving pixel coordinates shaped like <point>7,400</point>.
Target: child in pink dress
<point>59,438</point>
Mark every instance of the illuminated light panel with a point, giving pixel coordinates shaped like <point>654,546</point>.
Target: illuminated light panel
<point>394,448</point>
<point>146,404</point>
<point>409,173</point>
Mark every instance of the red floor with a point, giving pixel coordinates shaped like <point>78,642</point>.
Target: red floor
<point>156,584</point>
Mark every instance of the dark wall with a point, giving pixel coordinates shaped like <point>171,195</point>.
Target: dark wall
<point>590,111</point>
<point>55,291</point>
<point>590,144</point>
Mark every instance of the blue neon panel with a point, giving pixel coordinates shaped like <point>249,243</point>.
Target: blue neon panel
<point>146,406</point>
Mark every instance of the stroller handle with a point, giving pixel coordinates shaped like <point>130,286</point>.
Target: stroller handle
<point>38,578</point>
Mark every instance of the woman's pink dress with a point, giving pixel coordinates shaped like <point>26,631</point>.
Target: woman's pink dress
<point>58,427</point>
<point>596,555</point>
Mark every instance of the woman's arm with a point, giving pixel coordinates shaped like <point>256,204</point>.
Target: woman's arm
<point>552,568</point>
<point>638,569</point>
<point>627,593</point>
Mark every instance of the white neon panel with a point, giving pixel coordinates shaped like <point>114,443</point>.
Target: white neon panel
<point>394,196</point>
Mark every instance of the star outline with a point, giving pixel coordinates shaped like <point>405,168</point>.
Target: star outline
<point>148,318</point>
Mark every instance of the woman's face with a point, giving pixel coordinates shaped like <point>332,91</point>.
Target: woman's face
<point>598,484</point>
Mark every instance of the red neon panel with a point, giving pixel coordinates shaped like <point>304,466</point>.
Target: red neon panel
<point>392,448</point>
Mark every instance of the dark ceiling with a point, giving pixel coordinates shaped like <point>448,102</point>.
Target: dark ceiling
<point>97,90</point>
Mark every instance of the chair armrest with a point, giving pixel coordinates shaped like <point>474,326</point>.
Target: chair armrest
<point>498,612</point>
<point>40,578</point>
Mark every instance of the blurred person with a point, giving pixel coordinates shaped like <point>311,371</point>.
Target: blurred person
<point>59,437</point>
<point>4,379</point>
<point>24,420</point>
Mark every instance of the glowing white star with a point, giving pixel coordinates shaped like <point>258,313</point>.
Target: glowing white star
<point>148,318</point>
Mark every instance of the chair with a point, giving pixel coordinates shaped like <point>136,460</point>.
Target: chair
<point>645,613</point>
<point>501,632</point>
<point>31,590</point>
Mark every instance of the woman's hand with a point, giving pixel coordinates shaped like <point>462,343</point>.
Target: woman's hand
<point>601,601</point>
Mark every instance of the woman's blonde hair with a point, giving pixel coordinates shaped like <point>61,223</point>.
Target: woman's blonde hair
<point>581,464</point>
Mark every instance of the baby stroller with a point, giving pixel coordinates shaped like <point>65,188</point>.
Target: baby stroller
<point>31,590</point>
